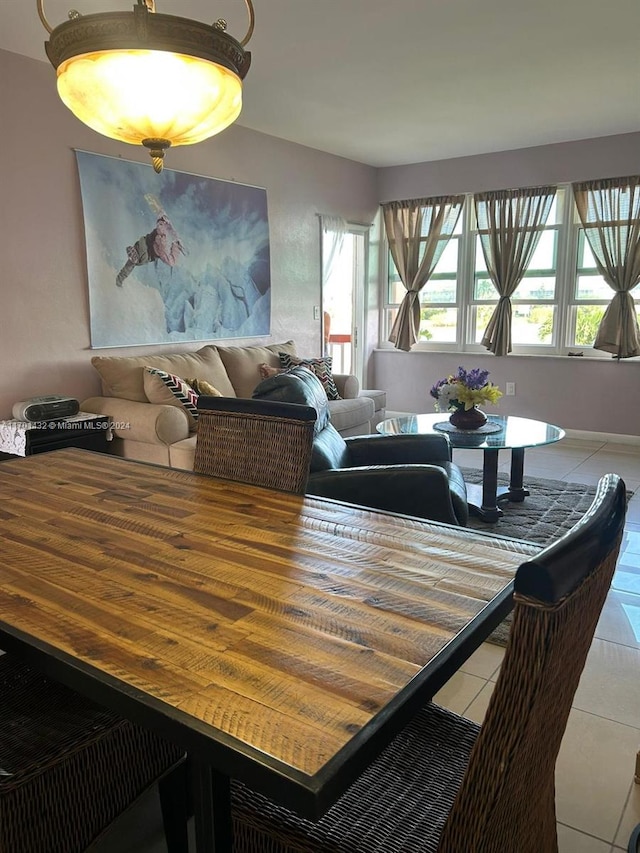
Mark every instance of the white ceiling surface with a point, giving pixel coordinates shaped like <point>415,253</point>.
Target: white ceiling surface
<point>390,82</point>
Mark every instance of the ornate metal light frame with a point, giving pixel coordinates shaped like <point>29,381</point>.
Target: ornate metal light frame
<point>188,88</point>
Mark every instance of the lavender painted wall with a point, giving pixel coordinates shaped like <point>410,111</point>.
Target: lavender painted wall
<point>44,312</point>
<point>580,394</point>
<point>596,395</point>
<point>605,157</point>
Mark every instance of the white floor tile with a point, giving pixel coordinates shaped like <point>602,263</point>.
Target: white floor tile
<point>458,693</point>
<point>610,683</point>
<point>593,774</point>
<point>631,816</point>
<point>620,619</point>
<point>478,708</point>
<point>485,662</point>
<point>572,841</point>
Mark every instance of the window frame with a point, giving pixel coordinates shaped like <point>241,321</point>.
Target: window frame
<point>568,230</point>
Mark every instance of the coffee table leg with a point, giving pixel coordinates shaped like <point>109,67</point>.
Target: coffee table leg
<point>517,493</point>
<point>212,807</point>
<point>488,509</point>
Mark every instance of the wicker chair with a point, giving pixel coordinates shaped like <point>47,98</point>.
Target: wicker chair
<point>68,767</point>
<point>445,784</point>
<point>264,444</point>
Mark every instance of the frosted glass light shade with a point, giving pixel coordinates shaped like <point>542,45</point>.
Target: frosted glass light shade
<point>143,77</point>
<point>133,95</point>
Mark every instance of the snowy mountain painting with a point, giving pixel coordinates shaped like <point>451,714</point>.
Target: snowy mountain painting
<point>172,257</point>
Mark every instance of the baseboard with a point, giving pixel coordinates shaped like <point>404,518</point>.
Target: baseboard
<point>610,437</point>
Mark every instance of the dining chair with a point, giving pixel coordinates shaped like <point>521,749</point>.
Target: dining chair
<point>68,767</point>
<point>447,784</point>
<point>263,444</point>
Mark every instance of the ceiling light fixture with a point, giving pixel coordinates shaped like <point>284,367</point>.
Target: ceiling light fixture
<point>143,77</point>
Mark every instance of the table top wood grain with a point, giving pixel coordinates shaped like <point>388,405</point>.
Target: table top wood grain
<point>274,626</point>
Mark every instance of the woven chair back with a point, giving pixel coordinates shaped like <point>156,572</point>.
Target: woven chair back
<point>507,798</point>
<point>257,446</point>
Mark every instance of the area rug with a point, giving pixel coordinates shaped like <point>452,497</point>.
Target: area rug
<point>552,508</point>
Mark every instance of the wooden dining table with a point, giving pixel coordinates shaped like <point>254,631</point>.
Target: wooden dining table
<point>280,639</point>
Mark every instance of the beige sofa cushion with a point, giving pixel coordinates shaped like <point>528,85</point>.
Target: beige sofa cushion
<point>243,364</point>
<point>123,376</point>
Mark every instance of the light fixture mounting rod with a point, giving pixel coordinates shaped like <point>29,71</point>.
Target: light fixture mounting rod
<point>151,8</point>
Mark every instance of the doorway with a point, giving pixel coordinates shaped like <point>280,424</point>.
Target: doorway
<point>343,290</point>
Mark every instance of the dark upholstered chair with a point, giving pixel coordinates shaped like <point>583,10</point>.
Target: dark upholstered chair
<point>68,767</point>
<point>409,474</point>
<point>264,444</point>
<point>445,784</point>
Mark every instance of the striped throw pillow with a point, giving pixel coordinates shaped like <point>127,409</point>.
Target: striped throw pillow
<point>182,392</point>
<point>320,366</point>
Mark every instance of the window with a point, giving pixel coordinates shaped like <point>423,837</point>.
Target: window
<point>557,306</point>
<point>439,308</point>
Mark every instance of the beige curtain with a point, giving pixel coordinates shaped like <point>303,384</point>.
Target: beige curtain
<point>510,223</point>
<point>418,232</point>
<point>610,214</point>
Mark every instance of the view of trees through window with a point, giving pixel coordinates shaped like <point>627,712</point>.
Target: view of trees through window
<point>557,306</point>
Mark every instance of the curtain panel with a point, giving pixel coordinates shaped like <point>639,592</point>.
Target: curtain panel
<point>418,231</point>
<point>510,223</point>
<point>332,231</point>
<point>609,211</point>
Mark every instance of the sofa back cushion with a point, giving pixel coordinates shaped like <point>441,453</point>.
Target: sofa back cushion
<point>123,377</point>
<point>243,364</point>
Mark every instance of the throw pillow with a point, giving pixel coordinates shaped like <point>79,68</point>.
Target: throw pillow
<point>320,366</point>
<point>168,389</point>
<point>201,386</point>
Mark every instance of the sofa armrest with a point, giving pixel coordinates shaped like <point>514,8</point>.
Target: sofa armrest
<point>423,491</point>
<point>147,422</point>
<point>347,384</point>
<point>399,449</point>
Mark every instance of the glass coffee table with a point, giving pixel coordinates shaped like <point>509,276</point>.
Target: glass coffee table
<point>508,433</point>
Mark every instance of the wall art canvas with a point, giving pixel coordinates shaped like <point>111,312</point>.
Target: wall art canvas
<point>172,257</point>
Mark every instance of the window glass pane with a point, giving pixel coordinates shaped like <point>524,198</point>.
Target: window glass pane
<point>484,289</point>
<point>556,207</point>
<point>588,319</point>
<point>480,264</point>
<point>438,324</point>
<point>448,261</point>
<point>532,324</point>
<point>593,287</point>
<point>544,257</point>
<point>535,287</point>
<point>397,291</point>
<point>439,290</point>
<point>586,259</point>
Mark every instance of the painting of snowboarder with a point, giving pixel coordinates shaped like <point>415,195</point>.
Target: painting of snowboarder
<point>172,257</point>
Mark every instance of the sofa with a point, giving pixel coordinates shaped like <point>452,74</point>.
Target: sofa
<point>150,426</point>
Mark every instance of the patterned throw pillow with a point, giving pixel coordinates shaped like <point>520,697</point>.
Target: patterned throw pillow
<point>167,388</point>
<point>320,366</point>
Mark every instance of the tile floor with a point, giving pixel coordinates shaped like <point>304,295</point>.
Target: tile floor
<point>598,803</point>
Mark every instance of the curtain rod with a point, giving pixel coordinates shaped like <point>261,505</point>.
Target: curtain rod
<point>348,221</point>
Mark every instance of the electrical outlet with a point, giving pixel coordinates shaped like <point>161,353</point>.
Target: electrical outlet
<point>510,389</point>
<point>316,312</point>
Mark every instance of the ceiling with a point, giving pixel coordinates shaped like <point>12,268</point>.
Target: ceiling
<point>390,82</point>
